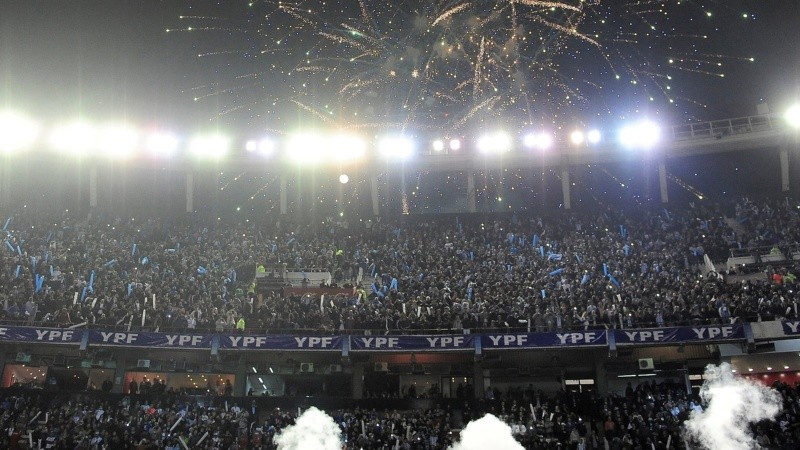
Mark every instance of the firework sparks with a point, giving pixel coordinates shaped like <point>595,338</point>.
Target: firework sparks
<point>457,63</point>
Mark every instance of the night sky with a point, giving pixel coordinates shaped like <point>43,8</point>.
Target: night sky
<point>100,59</point>
<point>115,60</point>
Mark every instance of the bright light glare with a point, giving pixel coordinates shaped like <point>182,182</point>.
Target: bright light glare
<point>17,132</point>
<point>438,145</point>
<point>455,144</point>
<point>494,143</point>
<point>76,138</point>
<point>641,135</point>
<point>161,144</point>
<point>211,146</point>
<point>116,140</point>
<point>577,137</point>
<point>343,178</point>
<point>396,147</point>
<point>264,147</point>
<point>345,147</point>
<point>793,116</point>
<point>306,148</point>
<point>593,137</point>
<point>540,141</point>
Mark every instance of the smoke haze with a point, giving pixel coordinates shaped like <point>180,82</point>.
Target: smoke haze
<point>488,432</point>
<point>313,430</point>
<point>732,404</point>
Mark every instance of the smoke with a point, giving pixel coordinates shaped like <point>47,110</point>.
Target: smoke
<point>313,430</point>
<point>487,432</point>
<point>733,403</point>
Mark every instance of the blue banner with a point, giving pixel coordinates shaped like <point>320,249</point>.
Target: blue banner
<point>656,336</point>
<point>534,340</point>
<point>791,327</point>
<point>707,333</point>
<point>324,343</point>
<point>148,339</point>
<point>412,343</point>
<point>44,335</point>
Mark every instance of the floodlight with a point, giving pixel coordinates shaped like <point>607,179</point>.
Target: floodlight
<point>76,138</point>
<point>161,144</point>
<point>209,146</point>
<point>306,148</point>
<point>343,178</point>
<point>399,147</point>
<point>496,142</point>
<point>438,145</point>
<point>593,136</point>
<point>540,141</point>
<point>577,137</point>
<point>455,144</point>
<point>263,147</point>
<point>346,147</point>
<point>643,135</point>
<point>793,116</point>
<point>17,132</point>
<point>116,140</point>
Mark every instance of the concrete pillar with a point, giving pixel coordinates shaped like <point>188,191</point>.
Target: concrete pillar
<point>477,380</point>
<point>662,181</point>
<point>471,200</point>
<point>284,206</point>
<point>240,384</point>
<point>600,378</point>
<point>784,155</point>
<point>358,381</point>
<point>93,187</point>
<point>189,192</point>
<point>119,373</point>
<point>376,207</point>
<point>5,186</point>
<point>565,187</point>
<point>686,379</point>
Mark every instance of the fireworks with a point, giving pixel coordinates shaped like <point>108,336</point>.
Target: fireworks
<point>451,65</point>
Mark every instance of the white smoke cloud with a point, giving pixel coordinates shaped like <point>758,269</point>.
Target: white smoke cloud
<point>488,432</point>
<point>313,430</point>
<point>733,403</point>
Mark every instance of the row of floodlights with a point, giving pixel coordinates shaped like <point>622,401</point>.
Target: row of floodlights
<point>19,133</point>
<point>118,140</point>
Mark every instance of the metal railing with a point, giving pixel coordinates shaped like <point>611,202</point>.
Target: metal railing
<point>726,127</point>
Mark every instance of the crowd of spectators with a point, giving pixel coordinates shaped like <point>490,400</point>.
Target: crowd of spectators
<point>562,271</point>
<point>645,417</point>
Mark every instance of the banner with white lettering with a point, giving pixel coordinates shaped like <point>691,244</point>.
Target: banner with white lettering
<point>44,335</point>
<point>412,343</point>
<point>791,327</point>
<point>148,339</point>
<point>305,343</point>
<point>682,334</point>
<point>532,340</point>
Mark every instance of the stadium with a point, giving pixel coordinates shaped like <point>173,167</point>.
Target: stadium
<point>473,269</point>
